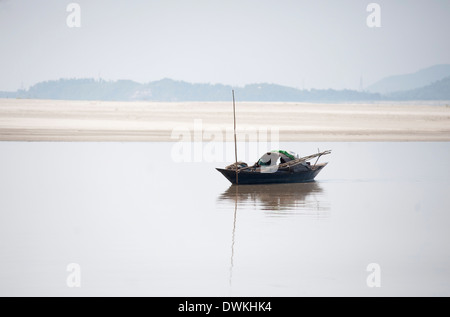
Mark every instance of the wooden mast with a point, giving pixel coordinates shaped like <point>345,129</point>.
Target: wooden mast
<point>235,143</point>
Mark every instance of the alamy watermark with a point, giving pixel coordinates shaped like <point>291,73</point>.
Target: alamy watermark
<point>197,143</point>
<point>73,20</point>
<point>74,277</point>
<point>374,18</point>
<point>374,278</point>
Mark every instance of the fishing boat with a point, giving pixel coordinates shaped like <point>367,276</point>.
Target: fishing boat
<point>275,167</point>
<point>278,166</point>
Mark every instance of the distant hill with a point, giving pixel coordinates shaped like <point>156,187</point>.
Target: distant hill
<point>8,94</point>
<point>81,89</point>
<point>415,80</point>
<point>171,90</point>
<point>439,90</point>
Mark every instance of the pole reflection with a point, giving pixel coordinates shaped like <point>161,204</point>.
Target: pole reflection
<point>306,199</point>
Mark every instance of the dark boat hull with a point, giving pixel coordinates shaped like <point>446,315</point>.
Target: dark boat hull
<point>279,177</point>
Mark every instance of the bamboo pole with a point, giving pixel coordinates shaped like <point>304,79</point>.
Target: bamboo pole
<point>235,143</point>
<point>318,151</point>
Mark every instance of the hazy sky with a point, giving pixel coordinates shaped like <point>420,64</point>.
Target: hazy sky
<point>303,44</point>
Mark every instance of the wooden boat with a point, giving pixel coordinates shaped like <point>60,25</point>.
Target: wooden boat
<point>290,169</point>
<point>295,170</point>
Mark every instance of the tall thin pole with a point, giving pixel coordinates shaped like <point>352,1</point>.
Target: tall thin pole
<point>235,143</point>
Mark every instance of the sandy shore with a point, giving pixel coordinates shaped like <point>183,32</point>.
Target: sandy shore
<point>54,120</point>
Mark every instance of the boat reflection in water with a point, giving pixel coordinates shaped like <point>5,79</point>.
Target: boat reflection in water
<point>286,200</point>
<point>278,199</point>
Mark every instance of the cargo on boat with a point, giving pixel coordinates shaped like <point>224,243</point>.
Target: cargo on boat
<point>275,167</point>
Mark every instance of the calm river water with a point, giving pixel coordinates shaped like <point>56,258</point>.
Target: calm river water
<point>129,219</point>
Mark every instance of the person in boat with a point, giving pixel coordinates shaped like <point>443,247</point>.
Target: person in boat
<point>271,158</point>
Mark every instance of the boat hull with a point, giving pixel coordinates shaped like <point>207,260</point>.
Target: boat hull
<point>279,177</point>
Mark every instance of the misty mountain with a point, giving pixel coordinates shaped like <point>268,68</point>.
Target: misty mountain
<point>439,90</point>
<point>171,90</point>
<point>8,94</point>
<point>412,81</point>
<point>81,89</point>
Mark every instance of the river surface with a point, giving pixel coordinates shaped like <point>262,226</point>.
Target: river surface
<point>133,219</point>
